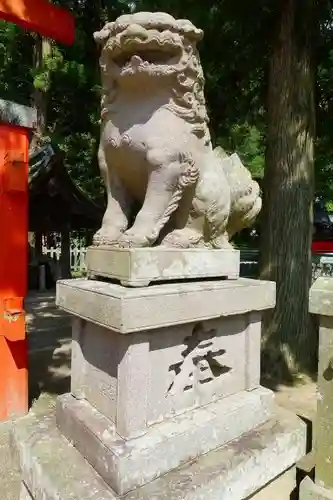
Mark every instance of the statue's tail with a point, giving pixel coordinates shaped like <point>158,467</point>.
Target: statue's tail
<point>246,200</point>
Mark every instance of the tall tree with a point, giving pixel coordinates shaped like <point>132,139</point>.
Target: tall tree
<point>289,183</point>
<point>42,55</point>
<point>16,47</point>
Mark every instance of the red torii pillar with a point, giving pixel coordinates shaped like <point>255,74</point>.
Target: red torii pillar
<point>53,22</point>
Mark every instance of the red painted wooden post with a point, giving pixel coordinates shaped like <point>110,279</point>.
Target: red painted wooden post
<point>40,16</point>
<point>57,23</point>
<point>13,270</point>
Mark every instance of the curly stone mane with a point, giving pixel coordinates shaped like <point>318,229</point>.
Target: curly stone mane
<point>188,99</point>
<point>187,94</point>
<point>109,86</point>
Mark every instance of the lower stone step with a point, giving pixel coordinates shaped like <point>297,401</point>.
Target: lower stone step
<point>52,468</point>
<point>129,464</point>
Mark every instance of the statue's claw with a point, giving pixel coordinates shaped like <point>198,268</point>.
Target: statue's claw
<point>131,240</point>
<point>184,238</point>
<point>107,237</point>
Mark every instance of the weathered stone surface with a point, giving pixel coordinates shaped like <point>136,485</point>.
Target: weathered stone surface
<point>127,310</point>
<point>321,297</point>
<point>280,488</point>
<point>307,464</point>
<point>237,470</point>
<point>321,303</point>
<point>140,266</point>
<point>54,470</point>
<point>155,148</point>
<point>125,465</point>
<point>9,473</point>
<point>51,468</point>
<point>311,491</point>
<point>24,493</point>
<point>139,379</point>
<point>324,423</point>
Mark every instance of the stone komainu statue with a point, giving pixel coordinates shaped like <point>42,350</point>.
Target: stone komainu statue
<point>155,149</point>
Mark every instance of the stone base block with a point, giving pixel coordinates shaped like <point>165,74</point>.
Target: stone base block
<point>280,488</point>
<point>311,491</point>
<point>24,493</point>
<point>52,468</point>
<point>138,267</point>
<point>140,356</point>
<point>128,464</point>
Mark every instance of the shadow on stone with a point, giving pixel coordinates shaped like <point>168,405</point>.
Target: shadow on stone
<point>49,372</point>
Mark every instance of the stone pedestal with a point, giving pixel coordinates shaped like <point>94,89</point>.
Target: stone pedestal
<point>321,304</point>
<point>311,491</point>
<point>165,399</point>
<point>140,266</point>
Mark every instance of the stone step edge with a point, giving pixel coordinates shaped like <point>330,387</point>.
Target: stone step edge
<point>52,468</point>
<point>126,465</point>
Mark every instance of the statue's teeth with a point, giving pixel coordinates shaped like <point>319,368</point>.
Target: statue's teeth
<point>136,60</point>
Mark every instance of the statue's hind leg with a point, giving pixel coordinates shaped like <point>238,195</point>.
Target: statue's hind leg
<point>202,217</point>
<point>212,198</point>
<point>217,210</point>
<point>197,233</point>
<point>217,219</point>
<point>187,228</point>
<point>184,238</point>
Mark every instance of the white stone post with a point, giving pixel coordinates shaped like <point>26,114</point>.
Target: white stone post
<point>321,304</point>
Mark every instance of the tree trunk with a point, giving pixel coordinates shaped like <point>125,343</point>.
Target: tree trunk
<point>289,189</point>
<point>42,50</point>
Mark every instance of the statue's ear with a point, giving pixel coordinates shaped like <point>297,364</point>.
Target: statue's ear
<point>220,152</point>
<point>101,37</point>
<point>189,30</point>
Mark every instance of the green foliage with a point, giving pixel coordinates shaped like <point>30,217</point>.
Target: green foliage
<point>324,152</point>
<point>249,142</point>
<point>16,49</point>
<point>42,77</point>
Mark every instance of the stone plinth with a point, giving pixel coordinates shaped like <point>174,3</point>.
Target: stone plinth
<point>165,397</point>
<point>159,351</point>
<point>52,468</point>
<point>127,464</point>
<point>140,266</point>
<point>162,375</point>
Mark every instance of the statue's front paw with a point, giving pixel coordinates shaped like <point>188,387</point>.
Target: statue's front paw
<point>97,239</point>
<point>184,238</point>
<point>106,236</point>
<point>132,240</point>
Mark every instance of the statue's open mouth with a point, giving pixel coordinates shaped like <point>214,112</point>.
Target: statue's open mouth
<point>143,57</point>
<point>133,55</point>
